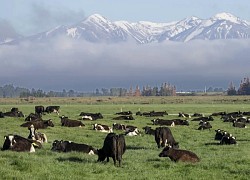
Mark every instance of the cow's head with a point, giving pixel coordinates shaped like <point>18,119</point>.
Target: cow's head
<point>101,155</point>
<point>9,142</point>
<point>50,123</point>
<point>57,145</point>
<point>165,152</point>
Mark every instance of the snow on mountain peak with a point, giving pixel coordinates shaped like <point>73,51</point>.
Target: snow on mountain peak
<point>227,16</point>
<point>97,18</point>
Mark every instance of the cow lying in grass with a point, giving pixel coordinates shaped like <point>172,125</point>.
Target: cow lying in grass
<point>179,155</point>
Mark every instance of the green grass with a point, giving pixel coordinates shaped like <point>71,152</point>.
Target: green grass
<point>141,160</point>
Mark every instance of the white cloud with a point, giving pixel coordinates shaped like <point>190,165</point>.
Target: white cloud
<point>63,63</point>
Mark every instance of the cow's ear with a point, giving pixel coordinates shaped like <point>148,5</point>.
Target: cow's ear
<point>5,137</point>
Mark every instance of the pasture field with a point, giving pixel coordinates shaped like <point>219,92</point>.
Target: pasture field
<point>140,161</point>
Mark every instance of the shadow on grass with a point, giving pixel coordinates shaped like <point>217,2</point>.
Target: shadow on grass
<point>72,159</point>
<point>136,147</point>
<point>212,143</point>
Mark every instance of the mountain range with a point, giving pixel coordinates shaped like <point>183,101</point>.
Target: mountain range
<point>97,28</point>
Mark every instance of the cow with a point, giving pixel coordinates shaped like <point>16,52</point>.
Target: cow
<point>19,144</point>
<point>118,126</point>
<point>164,137</point>
<point>39,124</point>
<point>14,112</point>
<point>65,121</point>
<point>37,136</point>
<point>94,116</point>
<point>149,130</point>
<point>102,128</point>
<point>219,134</point>
<point>181,122</point>
<point>131,131</point>
<point>184,115</point>
<point>39,110</point>
<point>158,113</point>
<point>1,115</point>
<point>239,124</point>
<point>209,118</point>
<point>198,115</point>
<point>126,113</point>
<point>68,146</point>
<point>33,117</point>
<point>243,120</point>
<point>86,118</point>
<point>162,122</point>
<point>204,125</point>
<point>130,117</point>
<point>50,109</point>
<point>177,155</point>
<point>219,113</point>
<point>228,139</point>
<point>114,146</point>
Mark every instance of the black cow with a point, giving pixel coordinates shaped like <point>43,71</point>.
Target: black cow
<point>39,110</point>
<point>94,116</point>
<point>181,122</point>
<point>164,137</point>
<point>219,134</point>
<point>126,113</point>
<point>204,125</point>
<point>219,113</point>
<point>209,118</point>
<point>65,121</point>
<point>114,146</point>
<point>149,130</point>
<point>130,117</point>
<point>33,117</point>
<point>239,124</point>
<point>50,109</point>
<point>179,155</point>
<point>39,124</point>
<point>68,146</point>
<point>14,112</point>
<point>228,139</point>
<point>118,126</point>
<point>19,144</point>
<point>1,115</point>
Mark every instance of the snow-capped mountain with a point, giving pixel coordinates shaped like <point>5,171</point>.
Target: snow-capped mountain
<point>97,28</point>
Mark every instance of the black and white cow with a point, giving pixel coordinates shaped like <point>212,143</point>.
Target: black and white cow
<point>126,113</point>
<point>204,125</point>
<point>102,128</point>
<point>118,126</point>
<point>68,146</point>
<point>33,117</point>
<point>124,117</point>
<point>164,137</point>
<point>14,112</point>
<point>50,109</point>
<point>37,136</point>
<point>94,116</point>
<point>228,139</point>
<point>149,130</point>
<point>239,124</point>
<point>219,134</point>
<point>19,144</point>
<point>114,146</point>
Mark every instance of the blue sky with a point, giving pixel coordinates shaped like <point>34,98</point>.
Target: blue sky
<point>30,16</point>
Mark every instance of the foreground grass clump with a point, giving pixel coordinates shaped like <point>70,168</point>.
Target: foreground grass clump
<point>141,160</point>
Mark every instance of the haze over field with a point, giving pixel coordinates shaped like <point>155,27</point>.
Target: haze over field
<point>63,62</point>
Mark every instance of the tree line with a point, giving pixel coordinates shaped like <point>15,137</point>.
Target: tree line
<point>165,89</point>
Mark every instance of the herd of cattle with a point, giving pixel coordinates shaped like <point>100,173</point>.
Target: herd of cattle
<point>114,145</point>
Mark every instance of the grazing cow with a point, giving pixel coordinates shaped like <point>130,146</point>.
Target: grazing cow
<point>204,125</point>
<point>39,110</point>
<point>33,117</point>
<point>39,124</point>
<point>94,116</point>
<point>65,121</point>
<point>50,109</point>
<point>219,134</point>
<point>149,130</point>
<point>162,122</point>
<point>130,117</point>
<point>126,113</point>
<point>164,137</point>
<point>68,146</point>
<point>118,126</point>
<point>114,146</point>
<point>239,124</point>
<point>37,136</point>
<point>19,144</point>
<point>102,128</point>
<point>179,155</point>
<point>228,139</point>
